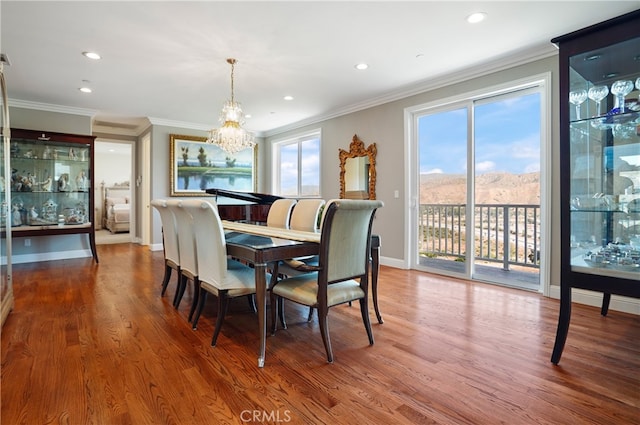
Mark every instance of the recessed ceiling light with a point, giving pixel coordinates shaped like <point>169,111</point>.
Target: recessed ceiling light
<point>247,115</point>
<point>85,89</point>
<point>92,55</point>
<point>474,18</point>
<point>288,98</point>
<point>361,66</point>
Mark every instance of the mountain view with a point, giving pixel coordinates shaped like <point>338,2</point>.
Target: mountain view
<point>491,188</point>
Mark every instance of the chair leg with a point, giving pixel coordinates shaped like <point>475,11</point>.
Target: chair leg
<point>364,310</point>
<point>178,285</point>
<point>323,320</point>
<point>181,288</point>
<point>202,298</point>
<point>167,277</point>
<point>252,303</point>
<point>196,295</point>
<point>281,312</point>
<point>310,316</point>
<point>273,304</point>
<point>223,303</point>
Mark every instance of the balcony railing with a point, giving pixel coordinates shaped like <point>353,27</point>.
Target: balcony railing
<point>503,233</point>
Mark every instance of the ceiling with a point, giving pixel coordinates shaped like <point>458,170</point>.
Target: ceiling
<point>166,61</point>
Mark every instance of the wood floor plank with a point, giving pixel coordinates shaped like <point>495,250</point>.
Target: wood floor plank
<point>97,344</point>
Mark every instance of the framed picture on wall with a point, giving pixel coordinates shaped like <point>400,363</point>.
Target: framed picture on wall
<point>196,166</point>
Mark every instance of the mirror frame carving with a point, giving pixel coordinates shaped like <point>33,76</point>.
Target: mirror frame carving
<point>357,149</point>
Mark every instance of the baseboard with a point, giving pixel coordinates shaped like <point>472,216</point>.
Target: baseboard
<point>156,247</point>
<point>582,296</point>
<point>393,262</point>
<point>50,256</point>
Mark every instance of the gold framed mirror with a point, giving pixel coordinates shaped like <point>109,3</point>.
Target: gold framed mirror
<point>358,170</point>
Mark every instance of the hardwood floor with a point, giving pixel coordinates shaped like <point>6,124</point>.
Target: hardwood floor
<point>96,344</point>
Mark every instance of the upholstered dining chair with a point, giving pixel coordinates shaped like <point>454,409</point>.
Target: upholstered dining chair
<point>305,216</point>
<point>187,246</point>
<point>342,274</point>
<point>280,213</point>
<point>218,274</point>
<point>169,243</point>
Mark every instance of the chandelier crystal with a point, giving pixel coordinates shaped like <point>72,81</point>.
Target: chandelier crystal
<point>231,137</point>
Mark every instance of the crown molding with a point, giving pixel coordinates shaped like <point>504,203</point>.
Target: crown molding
<point>188,125</point>
<point>507,61</point>
<point>25,104</point>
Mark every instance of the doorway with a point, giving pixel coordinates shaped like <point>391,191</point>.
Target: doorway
<point>113,168</point>
<point>478,186</point>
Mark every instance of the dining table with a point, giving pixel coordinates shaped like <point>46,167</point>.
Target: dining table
<point>262,245</point>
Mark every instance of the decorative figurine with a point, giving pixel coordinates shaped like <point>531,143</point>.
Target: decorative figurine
<point>16,218</point>
<point>81,181</point>
<point>46,153</point>
<point>46,184</point>
<point>72,154</point>
<point>49,211</point>
<point>63,183</point>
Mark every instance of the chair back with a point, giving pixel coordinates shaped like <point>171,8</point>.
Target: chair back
<point>280,213</point>
<point>305,215</point>
<point>346,239</point>
<point>186,237</point>
<point>210,241</point>
<point>169,232</point>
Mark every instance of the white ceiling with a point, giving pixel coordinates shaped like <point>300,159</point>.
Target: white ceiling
<point>167,60</point>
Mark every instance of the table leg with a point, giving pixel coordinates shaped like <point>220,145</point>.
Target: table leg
<point>375,267</point>
<point>261,301</point>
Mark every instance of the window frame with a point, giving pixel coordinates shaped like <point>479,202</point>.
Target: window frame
<point>296,139</point>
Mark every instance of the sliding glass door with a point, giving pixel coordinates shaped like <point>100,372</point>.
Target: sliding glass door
<point>478,186</point>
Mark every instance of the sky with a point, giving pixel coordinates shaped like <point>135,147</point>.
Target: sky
<point>507,138</point>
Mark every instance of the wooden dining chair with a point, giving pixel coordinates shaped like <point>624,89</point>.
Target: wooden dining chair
<point>169,243</point>
<point>218,274</point>
<point>342,273</point>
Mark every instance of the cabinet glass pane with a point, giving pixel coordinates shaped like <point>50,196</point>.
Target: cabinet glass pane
<point>49,184</point>
<point>604,111</point>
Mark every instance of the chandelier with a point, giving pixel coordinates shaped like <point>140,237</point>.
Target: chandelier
<point>231,137</point>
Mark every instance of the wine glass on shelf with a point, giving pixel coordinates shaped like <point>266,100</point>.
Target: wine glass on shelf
<point>597,93</point>
<point>577,98</point>
<point>620,89</point>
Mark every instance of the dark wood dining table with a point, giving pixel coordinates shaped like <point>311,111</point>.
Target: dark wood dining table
<point>261,246</point>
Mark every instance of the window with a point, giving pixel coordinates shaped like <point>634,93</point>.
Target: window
<point>296,165</point>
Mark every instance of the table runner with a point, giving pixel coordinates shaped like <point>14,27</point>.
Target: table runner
<point>273,232</point>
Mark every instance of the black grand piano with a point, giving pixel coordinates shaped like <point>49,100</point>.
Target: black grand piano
<point>255,207</point>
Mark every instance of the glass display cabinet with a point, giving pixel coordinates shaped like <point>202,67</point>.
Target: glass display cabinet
<point>51,185</point>
<point>600,163</point>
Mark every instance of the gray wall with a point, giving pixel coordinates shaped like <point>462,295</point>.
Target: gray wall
<point>385,125</point>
